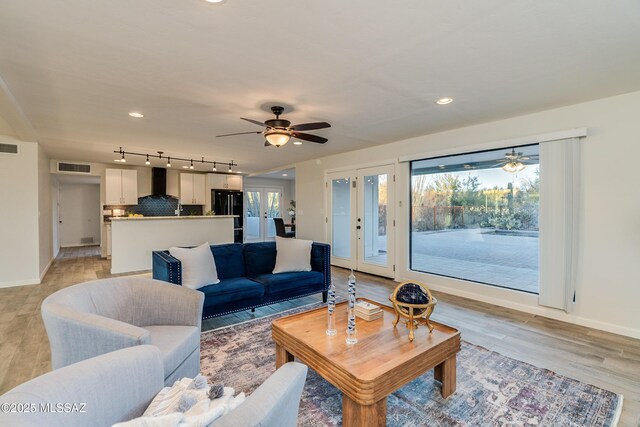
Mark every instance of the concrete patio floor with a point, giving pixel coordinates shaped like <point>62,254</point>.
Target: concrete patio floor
<point>474,254</point>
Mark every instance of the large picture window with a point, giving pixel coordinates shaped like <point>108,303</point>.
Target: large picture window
<point>474,216</point>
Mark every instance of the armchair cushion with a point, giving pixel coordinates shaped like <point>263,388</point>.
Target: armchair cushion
<point>176,343</point>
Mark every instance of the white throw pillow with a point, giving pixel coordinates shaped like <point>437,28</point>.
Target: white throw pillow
<point>292,255</point>
<point>198,266</point>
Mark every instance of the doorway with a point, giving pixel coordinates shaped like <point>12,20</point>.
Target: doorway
<point>79,211</point>
<point>262,205</point>
<point>361,222</point>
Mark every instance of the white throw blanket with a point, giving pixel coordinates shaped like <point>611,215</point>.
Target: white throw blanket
<point>165,409</point>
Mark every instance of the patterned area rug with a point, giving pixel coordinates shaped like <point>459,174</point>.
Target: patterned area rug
<point>492,390</point>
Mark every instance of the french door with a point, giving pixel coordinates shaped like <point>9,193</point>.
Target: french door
<point>361,223</point>
<point>261,206</point>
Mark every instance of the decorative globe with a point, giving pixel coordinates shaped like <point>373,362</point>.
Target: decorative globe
<point>413,293</point>
<point>413,301</point>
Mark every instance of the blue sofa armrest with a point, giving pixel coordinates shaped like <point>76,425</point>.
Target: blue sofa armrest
<point>166,267</point>
<point>321,261</point>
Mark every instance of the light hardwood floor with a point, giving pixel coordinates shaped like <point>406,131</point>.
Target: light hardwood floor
<point>603,359</point>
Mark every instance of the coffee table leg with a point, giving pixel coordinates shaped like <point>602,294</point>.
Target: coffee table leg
<point>446,374</point>
<point>357,415</point>
<point>282,356</point>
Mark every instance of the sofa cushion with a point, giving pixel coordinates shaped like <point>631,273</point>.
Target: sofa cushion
<point>229,260</point>
<point>232,289</point>
<point>282,282</point>
<point>176,343</point>
<point>259,258</point>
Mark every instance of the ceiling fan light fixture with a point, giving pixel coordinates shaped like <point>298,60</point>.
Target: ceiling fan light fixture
<point>277,137</point>
<point>513,167</point>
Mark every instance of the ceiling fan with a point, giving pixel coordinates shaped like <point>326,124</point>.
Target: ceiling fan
<point>513,162</point>
<point>279,131</point>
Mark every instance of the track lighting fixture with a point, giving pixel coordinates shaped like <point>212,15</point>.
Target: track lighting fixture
<point>148,157</point>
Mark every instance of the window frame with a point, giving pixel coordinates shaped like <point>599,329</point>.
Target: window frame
<point>410,214</point>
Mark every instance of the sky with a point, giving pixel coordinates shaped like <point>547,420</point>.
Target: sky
<point>490,178</point>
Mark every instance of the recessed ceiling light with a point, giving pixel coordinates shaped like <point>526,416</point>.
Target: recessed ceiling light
<point>297,143</point>
<point>214,1</point>
<point>284,174</point>
<point>136,114</point>
<point>444,101</point>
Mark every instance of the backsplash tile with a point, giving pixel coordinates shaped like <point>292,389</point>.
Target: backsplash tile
<point>157,206</point>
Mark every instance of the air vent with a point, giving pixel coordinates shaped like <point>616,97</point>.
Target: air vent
<point>9,148</point>
<point>74,168</point>
<point>86,240</point>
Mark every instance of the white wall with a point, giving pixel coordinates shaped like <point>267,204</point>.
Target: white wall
<point>80,212</point>
<point>19,251</point>
<point>608,288</point>
<point>45,213</point>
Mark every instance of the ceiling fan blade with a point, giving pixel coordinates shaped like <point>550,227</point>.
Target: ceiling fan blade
<point>310,126</point>
<point>255,122</point>
<point>309,137</point>
<point>239,133</point>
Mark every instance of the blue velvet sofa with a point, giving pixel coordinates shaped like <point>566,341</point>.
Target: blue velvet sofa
<point>246,281</point>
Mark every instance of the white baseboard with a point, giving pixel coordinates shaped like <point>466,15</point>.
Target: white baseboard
<point>14,283</point>
<point>46,269</point>
<point>80,245</point>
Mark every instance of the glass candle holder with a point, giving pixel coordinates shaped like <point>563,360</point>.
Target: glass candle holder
<point>351,314</point>
<point>331,310</point>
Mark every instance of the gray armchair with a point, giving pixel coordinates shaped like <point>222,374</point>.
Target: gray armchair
<point>119,386</point>
<point>93,318</point>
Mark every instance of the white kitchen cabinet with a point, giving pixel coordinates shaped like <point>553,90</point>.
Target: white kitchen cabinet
<point>218,181</point>
<point>121,187</point>
<point>192,189</point>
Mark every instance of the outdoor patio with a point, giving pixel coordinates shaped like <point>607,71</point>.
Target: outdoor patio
<point>480,255</point>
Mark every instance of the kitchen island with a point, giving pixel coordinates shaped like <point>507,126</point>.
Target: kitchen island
<point>134,238</point>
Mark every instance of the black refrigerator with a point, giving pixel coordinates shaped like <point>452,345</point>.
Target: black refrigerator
<point>228,202</point>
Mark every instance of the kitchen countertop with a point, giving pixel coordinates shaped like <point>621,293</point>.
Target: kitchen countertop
<point>192,217</point>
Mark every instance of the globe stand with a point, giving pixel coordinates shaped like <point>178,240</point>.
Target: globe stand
<point>416,312</point>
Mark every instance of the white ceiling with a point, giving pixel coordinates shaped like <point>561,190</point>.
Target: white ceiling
<point>373,69</point>
<point>278,174</point>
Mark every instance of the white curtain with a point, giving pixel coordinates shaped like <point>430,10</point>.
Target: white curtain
<point>559,212</point>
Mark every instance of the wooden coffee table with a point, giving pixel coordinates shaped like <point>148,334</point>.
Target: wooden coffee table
<point>381,362</point>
